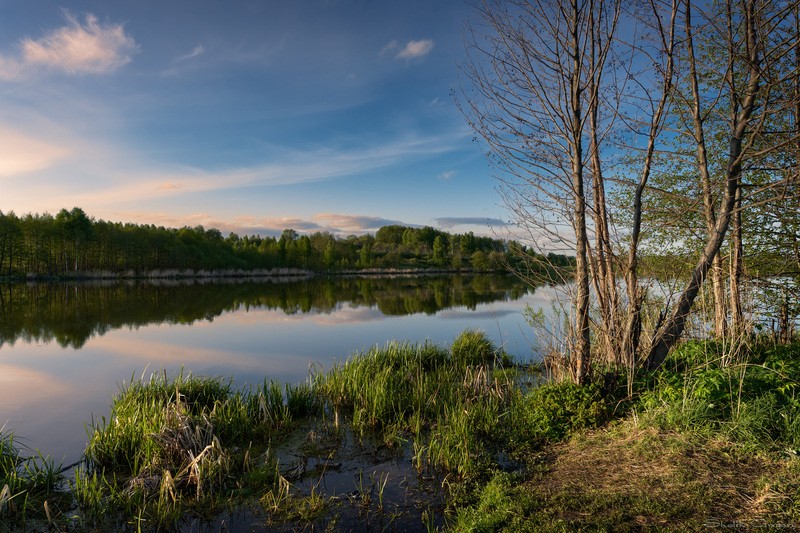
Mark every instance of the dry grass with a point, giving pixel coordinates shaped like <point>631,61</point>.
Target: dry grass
<point>629,478</point>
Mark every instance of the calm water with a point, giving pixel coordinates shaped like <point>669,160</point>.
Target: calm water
<point>65,348</point>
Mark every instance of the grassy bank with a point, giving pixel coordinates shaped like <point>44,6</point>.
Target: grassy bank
<point>448,438</point>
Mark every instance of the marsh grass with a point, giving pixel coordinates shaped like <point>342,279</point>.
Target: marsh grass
<point>450,400</point>
<point>178,446</point>
<point>181,445</point>
<point>192,445</point>
<point>29,485</point>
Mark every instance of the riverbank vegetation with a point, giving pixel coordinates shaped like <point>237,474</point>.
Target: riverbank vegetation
<point>453,438</point>
<point>72,244</point>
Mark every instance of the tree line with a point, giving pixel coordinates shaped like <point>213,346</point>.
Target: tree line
<point>73,244</point>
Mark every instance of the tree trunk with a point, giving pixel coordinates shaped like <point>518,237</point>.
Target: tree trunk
<point>742,111</point>
<point>670,331</point>
<point>737,268</point>
<point>582,338</point>
<point>718,290</point>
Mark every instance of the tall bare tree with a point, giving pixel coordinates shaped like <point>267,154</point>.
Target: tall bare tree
<point>537,73</point>
<point>559,90</point>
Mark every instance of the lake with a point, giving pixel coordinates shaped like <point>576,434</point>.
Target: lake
<point>65,348</point>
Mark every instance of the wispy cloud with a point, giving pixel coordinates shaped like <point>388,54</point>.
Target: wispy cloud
<point>196,51</point>
<point>390,46</point>
<point>448,174</point>
<point>335,223</point>
<point>452,222</point>
<point>338,223</point>
<point>21,154</point>
<point>290,167</point>
<point>414,49</point>
<point>87,47</point>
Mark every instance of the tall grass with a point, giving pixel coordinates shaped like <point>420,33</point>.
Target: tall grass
<point>26,483</point>
<point>753,401</point>
<point>447,400</point>
<point>171,445</point>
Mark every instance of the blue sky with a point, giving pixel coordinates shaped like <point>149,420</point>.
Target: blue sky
<point>246,115</point>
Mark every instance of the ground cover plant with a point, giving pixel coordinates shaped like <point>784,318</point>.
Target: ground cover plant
<point>424,437</point>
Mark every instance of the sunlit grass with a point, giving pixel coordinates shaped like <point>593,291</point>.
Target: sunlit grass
<point>173,445</point>
<point>183,446</point>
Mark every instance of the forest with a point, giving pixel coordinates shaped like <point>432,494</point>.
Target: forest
<point>73,244</point>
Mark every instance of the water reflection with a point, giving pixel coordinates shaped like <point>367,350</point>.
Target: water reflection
<point>72,313</point>
<point>65,348</point>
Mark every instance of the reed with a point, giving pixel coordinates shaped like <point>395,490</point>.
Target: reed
<point>450,399</point>
<point>174,445</point>
<point>26,483</point>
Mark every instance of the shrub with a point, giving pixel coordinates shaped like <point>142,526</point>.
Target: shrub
<point>554,411</point>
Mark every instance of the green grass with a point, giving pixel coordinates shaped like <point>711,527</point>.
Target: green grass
<point>708,439</point>
<point>173,446</point>
<point>28,485</point>
<point>449,401</point>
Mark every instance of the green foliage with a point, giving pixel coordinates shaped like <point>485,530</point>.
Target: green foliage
<point>497,504</point>
<point>472,347</point>
<point>752,400</point>
<point>553,411</point>
<point>72,244</point>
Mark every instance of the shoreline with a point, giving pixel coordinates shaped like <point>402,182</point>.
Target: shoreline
<point>274,273</point>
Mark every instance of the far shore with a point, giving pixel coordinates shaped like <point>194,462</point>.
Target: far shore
<point>273,273</point>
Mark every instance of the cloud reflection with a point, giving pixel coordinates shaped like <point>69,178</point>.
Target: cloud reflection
<point>17,383</point>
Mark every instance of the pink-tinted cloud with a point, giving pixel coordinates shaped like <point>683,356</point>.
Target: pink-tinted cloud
<point>414,49</point>
<point>88,47</point>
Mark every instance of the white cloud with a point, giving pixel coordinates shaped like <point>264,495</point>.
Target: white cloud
<point>342,223</point>
<point>336,223</point>
<point>196,51</point>
<point>77,48</point>
<point>448,174</point>
<point>125,184</point>
<point>415,49</point>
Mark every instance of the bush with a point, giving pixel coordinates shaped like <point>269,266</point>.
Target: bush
<point>752,402</point>
<point>553,411</point>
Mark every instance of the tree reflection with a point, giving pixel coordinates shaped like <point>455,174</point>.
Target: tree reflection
<point>72,313</point>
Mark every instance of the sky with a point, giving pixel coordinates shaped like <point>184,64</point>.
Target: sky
<point>245,115</point>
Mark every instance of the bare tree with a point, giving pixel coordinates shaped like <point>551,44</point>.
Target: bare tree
<point>561,89</point>
<point>537,73</point>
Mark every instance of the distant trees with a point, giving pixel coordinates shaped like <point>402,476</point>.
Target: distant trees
<point>72,243</point>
